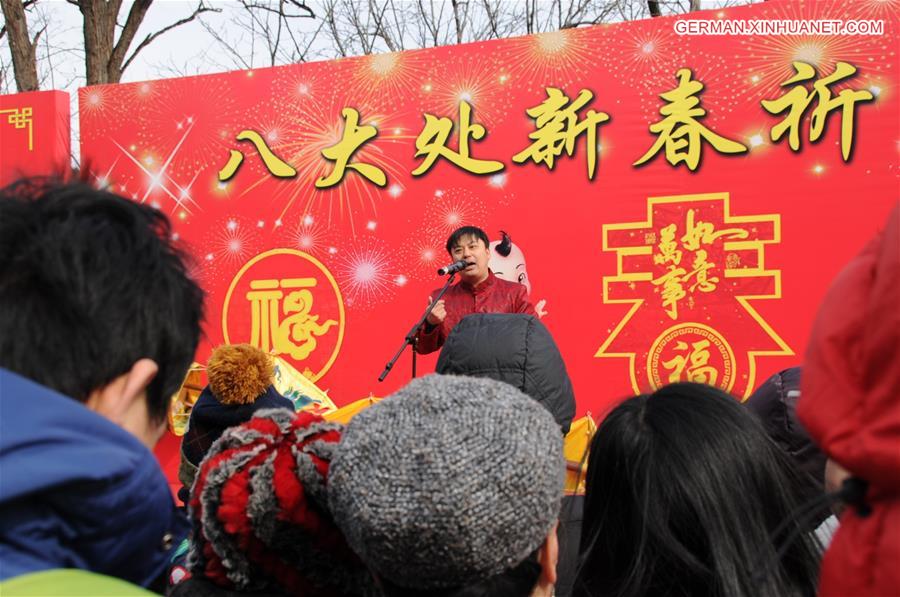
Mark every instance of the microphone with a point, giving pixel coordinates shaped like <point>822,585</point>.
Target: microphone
<point>453,267</point>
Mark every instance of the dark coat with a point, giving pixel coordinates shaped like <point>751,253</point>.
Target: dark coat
<point>516,349</point>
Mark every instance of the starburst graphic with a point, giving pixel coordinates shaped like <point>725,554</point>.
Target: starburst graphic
<point>233,242</point>
<point>421,259</point>
<point>767,59</point>
<point>309,236</point>
<point>365,275</point>
<point>556,56</point>
<point>476,82</point>
<point>878,9</point>
<point>180,104</point>
<point>101,107</point>
<point>381,78</point>
<point>647,50</point>
<point>454,207</point>
<point>154,178</point>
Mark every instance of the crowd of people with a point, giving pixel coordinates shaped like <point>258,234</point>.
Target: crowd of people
<point>450,487</point>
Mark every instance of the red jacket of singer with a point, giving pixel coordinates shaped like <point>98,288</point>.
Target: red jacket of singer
<point>850,404</point>
<point>494,295</point>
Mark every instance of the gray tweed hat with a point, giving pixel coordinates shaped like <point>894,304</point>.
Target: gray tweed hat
<point>449,481</point>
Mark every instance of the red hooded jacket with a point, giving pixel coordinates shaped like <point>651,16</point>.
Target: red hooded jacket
<point>850,404</point>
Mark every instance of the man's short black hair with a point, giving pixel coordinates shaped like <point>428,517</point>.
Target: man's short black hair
<point>89,284</point>
<point>463,232</point>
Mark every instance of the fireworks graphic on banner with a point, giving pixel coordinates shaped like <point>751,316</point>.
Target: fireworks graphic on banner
<point>556,57</point>
<point>365,276</point>
<point>232,242</point>
<point>310,237</point>
<point>147,91</point>
<point>302,136</point>
<point>422,259</point>
<point>649,50</point>
<point>102,107</point>
<point>293,88</point>
<point>205,105</point>
<point>380,79</point>
<point>878,9</point>
<point>448,210</point>
<point>483,84</point>
<point>768,59</point>
<point>147,180</point>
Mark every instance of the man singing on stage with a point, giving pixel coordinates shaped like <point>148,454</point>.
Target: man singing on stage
<point>478,291</point>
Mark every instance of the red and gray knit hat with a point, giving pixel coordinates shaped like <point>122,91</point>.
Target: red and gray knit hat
<point>260,515</point>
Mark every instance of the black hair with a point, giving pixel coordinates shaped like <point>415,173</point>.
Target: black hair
<point>463,232</point>
<point>518,581</point>
<point>684,491</point>
<point>504,247</point>
<point>89,284</point>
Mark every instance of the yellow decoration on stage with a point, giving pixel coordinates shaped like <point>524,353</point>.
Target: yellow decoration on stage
<point>298,388</point>
<point>184,399</point>
<point>345,413</point>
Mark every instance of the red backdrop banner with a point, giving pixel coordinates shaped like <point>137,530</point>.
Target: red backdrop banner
<point>34,134</point>
<point>683,201</point>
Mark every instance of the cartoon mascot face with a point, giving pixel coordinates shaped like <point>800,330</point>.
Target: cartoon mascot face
<point>508,261</point>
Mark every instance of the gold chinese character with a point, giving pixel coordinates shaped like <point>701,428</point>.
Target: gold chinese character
<point>296,333</point>
<point>353,138</point>
<point>558,128</point>
<point>799,99</point>
<point>274,164</point>
<point>702,280</point>
<point>20,118</point>
<point>705,232</point>
<point>432,143</point>
<point>672,289</point>
<point>698,356</point>
<point>668,248</point>
<point>680,131</point>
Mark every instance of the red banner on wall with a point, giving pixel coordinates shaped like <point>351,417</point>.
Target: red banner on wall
<point>683,200</point>
<point>34,134</point>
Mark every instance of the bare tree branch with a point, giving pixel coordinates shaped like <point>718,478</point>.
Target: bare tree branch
<point>201,8</point>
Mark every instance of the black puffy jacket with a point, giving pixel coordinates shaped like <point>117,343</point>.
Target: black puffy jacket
<point>516,349</point>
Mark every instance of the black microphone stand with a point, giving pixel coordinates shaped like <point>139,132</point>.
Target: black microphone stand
<point>410,338</point>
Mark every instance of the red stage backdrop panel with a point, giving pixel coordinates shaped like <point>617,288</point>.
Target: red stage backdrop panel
<point>683,201</point>
<point>34,134</point>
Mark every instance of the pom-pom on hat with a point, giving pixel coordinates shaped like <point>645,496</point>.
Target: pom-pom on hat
<point>260,515</point>
<point>239,373</point>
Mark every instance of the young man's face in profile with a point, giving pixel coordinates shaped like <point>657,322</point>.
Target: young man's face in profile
<point>473,250</point>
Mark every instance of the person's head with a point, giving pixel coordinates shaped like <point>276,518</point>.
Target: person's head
<point>260,512</point>
<point>470,243</point>
<point>449,486</point>
<point>684,491</point>
<point>775,405</point>
<point>95,301</point>
<point>508,261</point>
